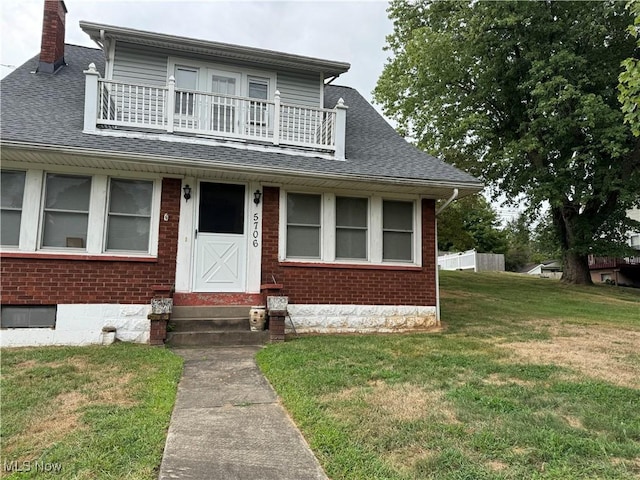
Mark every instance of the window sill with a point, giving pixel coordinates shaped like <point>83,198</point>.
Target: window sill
<point>351,266</point>
<point>77,257</point>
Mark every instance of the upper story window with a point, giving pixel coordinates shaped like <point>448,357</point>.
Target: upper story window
<point>335,228</point>
<point>187,79</point>
<point>66,211</point>
<point>11,206</point>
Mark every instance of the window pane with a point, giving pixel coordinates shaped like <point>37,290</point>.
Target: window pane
<point>397,215</point>
<point>258,89</point>
<point>64,229</point>
<point>303,242</point>
<point>397,246</point>
<point>12,189</point>
<point>10,231</point>
<point>186,78</point>
<point>67,192</point>
<point>303,209</point>
<point>351,243</point>
<point>130,196</point>
<point>351,212</point>
<point>128,233</point>
<point>221,208</point>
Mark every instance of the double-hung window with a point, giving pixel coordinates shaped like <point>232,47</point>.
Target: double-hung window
<point>186,79</point>
<point>347,229</point>
<point>87,214</point>
<point>65,214</point>
<point>351,228</point>
<point>11,207</point>
<point>129,217</point>
<point>258,111</point>
<point>397,231</point>
<point>303,225</point>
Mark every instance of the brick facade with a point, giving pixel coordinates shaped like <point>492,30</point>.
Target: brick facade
<point>350,284</point>
<point>53,32</point>
<point>40,279</point>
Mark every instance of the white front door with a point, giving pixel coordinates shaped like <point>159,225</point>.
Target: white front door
<point>221,243</point>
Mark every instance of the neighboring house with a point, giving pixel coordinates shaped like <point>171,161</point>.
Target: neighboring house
<point>471,260</point>
<point>619,271</point>
<point>549,269</point>
<point>159,163</point>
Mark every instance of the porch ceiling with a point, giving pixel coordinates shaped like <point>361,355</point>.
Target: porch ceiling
<point>13,157</point>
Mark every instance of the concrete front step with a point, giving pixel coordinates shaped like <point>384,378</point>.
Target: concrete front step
<point>216,338</point>
<point>209,324</point>
<point>216,325</point>
<point>216,311</point>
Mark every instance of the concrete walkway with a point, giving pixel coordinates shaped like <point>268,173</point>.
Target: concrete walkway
<point>227,423</point>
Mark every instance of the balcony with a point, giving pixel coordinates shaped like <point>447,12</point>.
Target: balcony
<point>138,107</point>
<point>597,263</point>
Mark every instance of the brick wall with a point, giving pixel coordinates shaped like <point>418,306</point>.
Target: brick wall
<point>53,26</point>
<point>367,285</point>
<point>41,281</point>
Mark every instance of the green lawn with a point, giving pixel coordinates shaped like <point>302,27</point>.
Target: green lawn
<point>91,412</point>
<point>530,379</point>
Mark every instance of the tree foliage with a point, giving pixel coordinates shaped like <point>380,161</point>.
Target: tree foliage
<point>523,95</point>
<point>470,223</point>
<point>629,87</point>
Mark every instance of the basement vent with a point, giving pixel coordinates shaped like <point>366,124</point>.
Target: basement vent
<point>28,316</point>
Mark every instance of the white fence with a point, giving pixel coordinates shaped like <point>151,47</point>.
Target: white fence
<point>472,260</point>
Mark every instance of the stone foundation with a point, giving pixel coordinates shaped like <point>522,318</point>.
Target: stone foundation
<point>361,318</point>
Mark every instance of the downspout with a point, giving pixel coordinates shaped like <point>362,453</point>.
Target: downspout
<point>453,196</point>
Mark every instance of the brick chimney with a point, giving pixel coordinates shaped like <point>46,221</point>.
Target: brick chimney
<point>52,49</point>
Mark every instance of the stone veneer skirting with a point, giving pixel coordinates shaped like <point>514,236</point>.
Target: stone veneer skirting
<point>361,318</point>
<point>82,324</point>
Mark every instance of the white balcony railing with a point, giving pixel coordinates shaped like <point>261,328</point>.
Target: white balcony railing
<point>136,106</point>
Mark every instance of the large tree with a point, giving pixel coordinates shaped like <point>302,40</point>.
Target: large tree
<point>524,95</point>
<point>471,223</point>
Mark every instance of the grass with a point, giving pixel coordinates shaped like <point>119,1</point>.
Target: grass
<point>86,412</point>
<point>529,379</point>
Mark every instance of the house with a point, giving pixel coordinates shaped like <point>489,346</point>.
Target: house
<point>623,271</point>
<point>548,269</point>
<point>157,166</point>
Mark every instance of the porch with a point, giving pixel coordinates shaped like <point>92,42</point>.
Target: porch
<point>168,109</point>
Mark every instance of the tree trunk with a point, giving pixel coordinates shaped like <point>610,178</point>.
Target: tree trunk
<point>575,269</point>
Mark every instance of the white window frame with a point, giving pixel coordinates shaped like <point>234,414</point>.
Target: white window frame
<point>13,209</point>
<point>32,213</point>
<point>108,213</point>
<point>374,230</point>
<point>206,69</point>
<point>43,210</point>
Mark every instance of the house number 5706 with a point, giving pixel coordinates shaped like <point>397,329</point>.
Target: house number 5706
<point>256,233</point>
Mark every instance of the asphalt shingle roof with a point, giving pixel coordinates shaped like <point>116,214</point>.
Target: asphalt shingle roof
<point>46,109</point>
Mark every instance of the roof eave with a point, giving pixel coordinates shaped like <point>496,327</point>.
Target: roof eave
<point>465,188</point>
<point>329,68</point>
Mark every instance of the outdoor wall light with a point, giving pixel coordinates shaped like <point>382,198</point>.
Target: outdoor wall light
<point>187,192</point>
<point>256,197</point>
